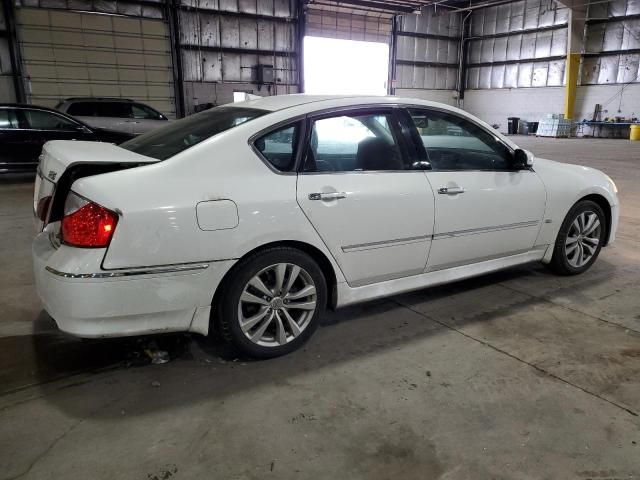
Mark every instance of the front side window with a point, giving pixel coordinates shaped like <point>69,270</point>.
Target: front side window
<point>353,143</point>
<point>165,142</point>
<point>455,143</point>
<point>40,120</point>
<point>278,147</point>
<point>144,113</point>
<point>8,119</point>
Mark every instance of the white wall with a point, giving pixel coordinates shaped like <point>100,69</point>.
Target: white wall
<point>442,96</point>
<point>530,104</point>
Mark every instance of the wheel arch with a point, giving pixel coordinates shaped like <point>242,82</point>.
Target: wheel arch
<point>603,203</point>
<point>314,252</point>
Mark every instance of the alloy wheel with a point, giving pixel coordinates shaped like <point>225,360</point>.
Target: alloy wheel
<point>277,304</point>
<point>583,239</point>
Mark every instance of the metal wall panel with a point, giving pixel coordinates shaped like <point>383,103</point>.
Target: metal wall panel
<point>504,36</point>
<point>225,48</point>
<point>618,34</point>
<point>420,40</point>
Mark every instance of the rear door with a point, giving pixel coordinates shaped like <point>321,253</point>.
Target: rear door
<point>358,189</point>
<point>484,207</point>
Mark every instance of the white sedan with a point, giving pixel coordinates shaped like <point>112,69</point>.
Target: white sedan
<point>253,218</point>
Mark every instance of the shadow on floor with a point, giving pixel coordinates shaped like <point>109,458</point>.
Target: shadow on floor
<point>207,368</point>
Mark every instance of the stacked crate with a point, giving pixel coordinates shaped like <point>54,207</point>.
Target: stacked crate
<point>554,125</point>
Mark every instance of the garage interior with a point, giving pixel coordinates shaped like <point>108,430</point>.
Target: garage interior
<point>518,374</point>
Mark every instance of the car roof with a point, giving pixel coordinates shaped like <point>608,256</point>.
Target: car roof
<point>281,102</point>
<point>98,99</point>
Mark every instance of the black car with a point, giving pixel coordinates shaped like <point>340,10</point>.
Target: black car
<point>24,129</point>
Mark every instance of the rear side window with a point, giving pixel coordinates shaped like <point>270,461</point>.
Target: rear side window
<point>8,119</point>
<point>40,120</point>
<point>278,147</point>
<point>178,136</point>
<point>350,143</point>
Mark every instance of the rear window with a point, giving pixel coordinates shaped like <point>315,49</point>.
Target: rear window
<point>178,136</point>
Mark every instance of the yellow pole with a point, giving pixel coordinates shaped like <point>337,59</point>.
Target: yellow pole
<point>572,67</point>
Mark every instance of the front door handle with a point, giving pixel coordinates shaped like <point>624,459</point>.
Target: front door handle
<point>450,190</point>
<point>327,196</point>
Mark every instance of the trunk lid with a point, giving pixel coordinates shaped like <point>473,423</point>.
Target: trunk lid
<point>62,162</point>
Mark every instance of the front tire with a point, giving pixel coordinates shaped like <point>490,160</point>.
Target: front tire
<point>580,239</point>
<point>272,302</point>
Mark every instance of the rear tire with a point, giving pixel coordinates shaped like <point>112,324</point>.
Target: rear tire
<point>272,302</point>
<point>580,239</point>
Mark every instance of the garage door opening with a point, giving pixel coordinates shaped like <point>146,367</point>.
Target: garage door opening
<point>337,67</point>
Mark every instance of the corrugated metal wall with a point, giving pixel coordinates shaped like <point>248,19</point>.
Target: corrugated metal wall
<point>7,93</point>
<point>222,41</point>
<point>67,54</point>
<point>427,51</point>
<point>522,44</point>
<point>612,46</point>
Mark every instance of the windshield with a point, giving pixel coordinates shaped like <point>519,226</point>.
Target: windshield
<point>172,139</point>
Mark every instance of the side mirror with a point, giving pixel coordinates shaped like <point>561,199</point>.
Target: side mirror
<point>522,159</point>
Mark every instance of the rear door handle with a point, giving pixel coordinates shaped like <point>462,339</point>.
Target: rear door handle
<point>450,190</point>
<point>327,196</point>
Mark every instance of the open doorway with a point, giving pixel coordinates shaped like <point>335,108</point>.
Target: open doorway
<point>336,67</point>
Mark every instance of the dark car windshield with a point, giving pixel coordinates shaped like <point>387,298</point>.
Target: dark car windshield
<point>172,139</point>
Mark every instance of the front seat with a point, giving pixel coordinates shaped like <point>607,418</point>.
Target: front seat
<point>376,154</point>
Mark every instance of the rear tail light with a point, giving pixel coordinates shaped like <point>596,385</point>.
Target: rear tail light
<point>42,208</point>
<point>87,224</point>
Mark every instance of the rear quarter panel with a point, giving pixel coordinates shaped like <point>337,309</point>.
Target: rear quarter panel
<point>157,204</point>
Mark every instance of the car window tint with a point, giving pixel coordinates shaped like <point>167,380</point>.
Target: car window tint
<point>83,109</point>
<point>143,112</point>
<point>114,109</point>
<point>8,119</point>
<point>40,120</point>
<point>353,143</point>
<point>278,147</point>
<point>455,143</point>
<point>165,142</point>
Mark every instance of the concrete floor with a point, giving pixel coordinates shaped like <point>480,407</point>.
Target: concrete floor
<point>516,375</point>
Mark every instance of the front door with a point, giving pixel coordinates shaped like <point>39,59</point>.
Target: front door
<point>357,188</point>
<point>484,207</point>
<point>18,149</point>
